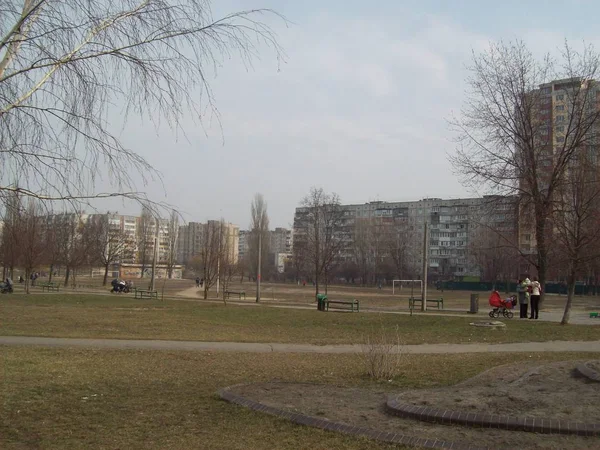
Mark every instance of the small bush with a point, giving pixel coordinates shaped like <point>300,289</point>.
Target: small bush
<point>382,353</point>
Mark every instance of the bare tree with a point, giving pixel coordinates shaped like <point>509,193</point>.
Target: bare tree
<point>519,129</point>
<point>321,232</point>
<point>361,241</point>
<point>76,241</point>
<point>13,211</point>
<point>400,243</point>
<point>259,241</point>
<point>576,219</point>
<point>209,257</point>
<point>495,253</point>
<point>109,242</point>
<point>31,241</point>
<point>145,239</point>
<point>228,266</point>
<point>172,237</point>
<point>63,63</point>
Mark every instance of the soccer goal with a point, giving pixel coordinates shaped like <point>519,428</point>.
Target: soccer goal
<point>407,284</point>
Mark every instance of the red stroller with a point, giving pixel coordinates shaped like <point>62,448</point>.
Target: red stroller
<point>502,306</point>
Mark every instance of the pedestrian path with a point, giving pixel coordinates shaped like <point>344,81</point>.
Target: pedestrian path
<point>257,347</point>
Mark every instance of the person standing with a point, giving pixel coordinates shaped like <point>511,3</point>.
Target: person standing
<point>522,294</point>
<point>197,282</point>
<point>536,292</point>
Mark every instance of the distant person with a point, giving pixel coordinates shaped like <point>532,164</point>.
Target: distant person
<point>536,292</point>
<point>197,281</point>
<point>201,282</point>
<point>522,296</point>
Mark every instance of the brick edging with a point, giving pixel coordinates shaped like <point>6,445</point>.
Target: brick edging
<point>503,422</point>
<point>324,424</point>
<point>587,371</point>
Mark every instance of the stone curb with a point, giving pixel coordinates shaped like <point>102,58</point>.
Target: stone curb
<point>529,424</point>
<point>587,372</point>
<point>324,424</point>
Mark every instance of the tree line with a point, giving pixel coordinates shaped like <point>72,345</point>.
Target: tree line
<point>73,243</point>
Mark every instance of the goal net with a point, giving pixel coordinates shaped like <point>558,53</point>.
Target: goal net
<point>407,284</point>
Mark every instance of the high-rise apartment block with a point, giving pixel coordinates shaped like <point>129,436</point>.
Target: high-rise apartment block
<point>562,110</point>
<point>193,238</point>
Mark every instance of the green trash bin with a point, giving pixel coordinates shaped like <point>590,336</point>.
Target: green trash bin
<point>321,298</point>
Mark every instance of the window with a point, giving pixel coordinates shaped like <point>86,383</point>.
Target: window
<point>560,107</point>
<point>527,237</point>
<point>560,139</point>
<point>546,90</point>
<point>560,97</point>
<point>560,118</point>
<point>560,129</point>
<point>544,112</point>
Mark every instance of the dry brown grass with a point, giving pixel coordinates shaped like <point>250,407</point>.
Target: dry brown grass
<point>95,316</point>
<point>71,398</point>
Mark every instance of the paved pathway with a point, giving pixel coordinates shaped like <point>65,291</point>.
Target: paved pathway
<point>252,347</point>
<point>546,315</point>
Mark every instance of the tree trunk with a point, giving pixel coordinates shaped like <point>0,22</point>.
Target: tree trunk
<point>67,275</point>
<point>205,290</point>
<point>50,274</point>
<point>27,275</point>
<point>105,274</point>
<point>570,295</point>
<point>540,230</point>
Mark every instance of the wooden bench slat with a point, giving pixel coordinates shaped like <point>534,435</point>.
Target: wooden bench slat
<point>350,303</point>
<point>413,300</point>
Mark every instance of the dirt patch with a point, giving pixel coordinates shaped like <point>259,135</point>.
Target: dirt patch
<point>365,407</point>
<point>526,390</point>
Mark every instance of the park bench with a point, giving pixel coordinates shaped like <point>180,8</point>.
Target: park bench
<point>594,315</point>
<point>49,286</point>
<point>413,300</point>
<point>240,294</point>
<point>342,304</point>
<point>141,293</point>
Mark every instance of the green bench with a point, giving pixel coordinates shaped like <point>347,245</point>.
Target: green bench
<point>49,286</point>
<point>343,304</point>
<point>240,294</point>
<point>413,300</point>
<point>593,315</point>
<point>141,293</point>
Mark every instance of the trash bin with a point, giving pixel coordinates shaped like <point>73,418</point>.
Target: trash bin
<point>474,304</point>
<point>321,302</point>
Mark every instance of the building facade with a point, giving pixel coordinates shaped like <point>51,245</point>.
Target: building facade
<point>395,230</point>
<point>192,238</point>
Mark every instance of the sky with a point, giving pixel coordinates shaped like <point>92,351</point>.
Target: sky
<point>359,106</point>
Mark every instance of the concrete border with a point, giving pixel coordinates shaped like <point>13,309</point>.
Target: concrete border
<point>530,424</point>
<point>587,372</point>
<point>324,424</point>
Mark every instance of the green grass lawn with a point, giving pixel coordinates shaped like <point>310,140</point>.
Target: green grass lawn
<point>95,316</point>
<point>81,399</point>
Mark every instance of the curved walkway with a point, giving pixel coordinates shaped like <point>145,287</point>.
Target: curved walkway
<point>255,347</point>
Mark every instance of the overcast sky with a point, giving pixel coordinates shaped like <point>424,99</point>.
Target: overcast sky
<point>359,107</point>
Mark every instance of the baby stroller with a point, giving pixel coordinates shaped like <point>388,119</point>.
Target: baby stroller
<point>500,306</point>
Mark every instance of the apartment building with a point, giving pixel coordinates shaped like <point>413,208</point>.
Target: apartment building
<point>451,225</point>
<point>557,108</point>
<point>193,236</point>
